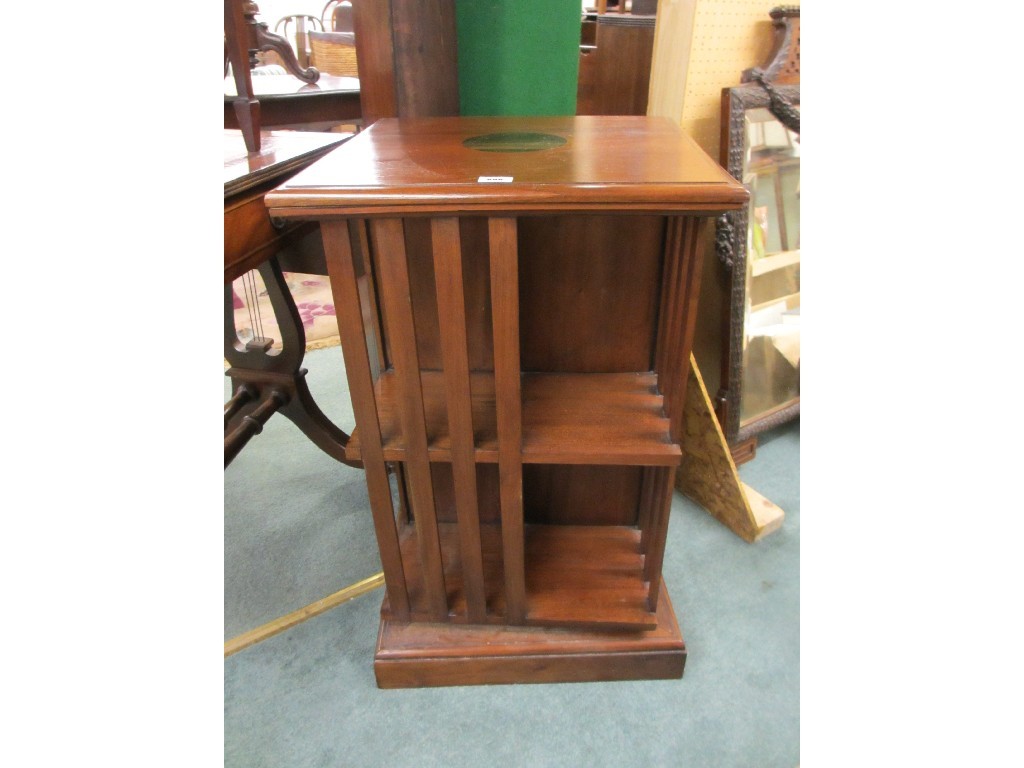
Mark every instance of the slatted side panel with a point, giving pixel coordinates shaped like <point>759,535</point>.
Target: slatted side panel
<point>508,397</point>
<point>451,310</point>
<point>693,238</point>
<point>682,265</point>
<point>358,364</point>
<point>389,242</point>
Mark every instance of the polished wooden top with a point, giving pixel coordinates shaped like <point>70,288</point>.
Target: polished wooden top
<point>280,151</point>
<point>527,163</point>
<point>287,86</point>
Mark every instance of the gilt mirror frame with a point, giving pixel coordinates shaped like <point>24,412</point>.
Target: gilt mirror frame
<point>731,249</point>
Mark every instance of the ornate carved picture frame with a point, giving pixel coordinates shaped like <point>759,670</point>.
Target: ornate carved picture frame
<point>731,246</point>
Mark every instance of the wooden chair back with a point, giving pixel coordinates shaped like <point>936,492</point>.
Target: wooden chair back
<point>334,53</point>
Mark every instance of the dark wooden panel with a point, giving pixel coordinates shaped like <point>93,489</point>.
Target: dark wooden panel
<point>375,54</point>
<point>426,70</point>
<point>563,494</point>
<point>616,75</point>
<point>589,288</point>
<point>407,58</point>
<point>508,409</point>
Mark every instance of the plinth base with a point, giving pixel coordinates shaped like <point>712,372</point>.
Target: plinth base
<point>419,655</point>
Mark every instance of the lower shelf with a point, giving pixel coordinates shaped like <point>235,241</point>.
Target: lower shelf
<point>418,655</point>
<point>587,576</point>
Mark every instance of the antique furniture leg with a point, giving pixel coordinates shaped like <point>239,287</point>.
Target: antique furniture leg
<point>268,41</point>
<point>239,53</point>
<point>265,381</point>
<point>243,37</point>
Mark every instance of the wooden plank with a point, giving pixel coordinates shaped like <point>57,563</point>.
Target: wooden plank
<point>768,516</point>
<point>375,55</point>
<point>341,271</point>
<point>451,307</point>
<point>591,418</point>
<point>389,239</point>
<point>508,402</point>
<point>271,628</point>
<point>708,474</point>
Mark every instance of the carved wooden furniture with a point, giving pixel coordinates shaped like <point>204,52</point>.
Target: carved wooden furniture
<point>516,302</point>
<point>615,73</point>
<point>759,245</point>
<point>289,103</point>
<point>299,25</point>
<point>407,58</point>
<point>334,53</point>
<point>265,381</point>
<point>244,37</point>
<point>337,16</point>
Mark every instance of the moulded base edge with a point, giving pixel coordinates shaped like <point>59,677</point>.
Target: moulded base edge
<point>418,655</point>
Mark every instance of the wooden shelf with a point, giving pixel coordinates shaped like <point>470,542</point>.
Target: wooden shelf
<point>579,576</point>
<point>584,418</point>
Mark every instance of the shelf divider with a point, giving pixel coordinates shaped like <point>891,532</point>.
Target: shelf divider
<point>508,399</point>
<point>338,252</point>
<point>451,312</point>
<point>389,235</point>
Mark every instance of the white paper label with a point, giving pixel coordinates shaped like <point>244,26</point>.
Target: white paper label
<point>494,180</point>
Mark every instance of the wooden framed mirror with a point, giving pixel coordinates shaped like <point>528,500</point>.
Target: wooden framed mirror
<point>760,246</point>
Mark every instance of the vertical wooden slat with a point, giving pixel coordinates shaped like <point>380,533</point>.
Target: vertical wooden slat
<point>342,275</point>
<point>451,311</point>
<point>368,294</point>
<point>669,310</point>
<point>655,556</point>
<point>389,241</point>
<point>692,252</point>
<point>508,401</point>
<point>646,508</point>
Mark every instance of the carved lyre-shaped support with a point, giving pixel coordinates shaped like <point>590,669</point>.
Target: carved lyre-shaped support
<point>265,380</point>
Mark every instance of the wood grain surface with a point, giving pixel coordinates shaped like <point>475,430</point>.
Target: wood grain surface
<point>631,163</point>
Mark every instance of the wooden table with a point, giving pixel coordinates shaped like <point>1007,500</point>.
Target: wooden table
<point>265,382</point>
<point>287,102</point>
<point>516,300</point>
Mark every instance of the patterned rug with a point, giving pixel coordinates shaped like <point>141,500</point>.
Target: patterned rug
<point>312,295</point>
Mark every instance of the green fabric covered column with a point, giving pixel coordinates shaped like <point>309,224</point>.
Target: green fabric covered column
<point>518,57</point>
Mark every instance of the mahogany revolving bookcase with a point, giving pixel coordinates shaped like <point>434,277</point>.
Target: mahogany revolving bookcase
<point>516,299</point>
